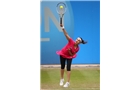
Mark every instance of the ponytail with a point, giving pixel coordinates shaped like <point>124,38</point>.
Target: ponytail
<point>83,42</point>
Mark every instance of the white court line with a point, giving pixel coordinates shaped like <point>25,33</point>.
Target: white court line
<point>74,89</point>
<point>74,65</point>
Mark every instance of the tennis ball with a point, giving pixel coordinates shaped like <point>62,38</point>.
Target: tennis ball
<point>61,7</point>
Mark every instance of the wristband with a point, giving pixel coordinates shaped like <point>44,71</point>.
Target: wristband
<point>63,27</point>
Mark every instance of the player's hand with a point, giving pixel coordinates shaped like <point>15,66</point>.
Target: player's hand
<point>70,48</point>
<point>61,25</point>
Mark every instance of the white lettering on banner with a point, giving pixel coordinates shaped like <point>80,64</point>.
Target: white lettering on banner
<point>48,14</point>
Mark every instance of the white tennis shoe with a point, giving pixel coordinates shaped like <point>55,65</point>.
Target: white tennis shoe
<point>61,82</point>
<point>67,84</point>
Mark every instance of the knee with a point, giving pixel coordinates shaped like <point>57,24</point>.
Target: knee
<point>68,69</point>
<point>62,66</point>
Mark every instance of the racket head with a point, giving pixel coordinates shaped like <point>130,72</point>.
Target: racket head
<point>61,8</point>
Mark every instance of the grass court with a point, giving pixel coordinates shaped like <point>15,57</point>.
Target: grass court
<point>82,78</point>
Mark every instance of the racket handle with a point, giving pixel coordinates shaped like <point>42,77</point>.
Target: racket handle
<point>61,21</point>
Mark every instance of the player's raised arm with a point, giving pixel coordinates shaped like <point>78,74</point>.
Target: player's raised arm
<point>65,32</point>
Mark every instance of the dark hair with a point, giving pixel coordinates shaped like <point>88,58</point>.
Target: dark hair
<point>83,42</point>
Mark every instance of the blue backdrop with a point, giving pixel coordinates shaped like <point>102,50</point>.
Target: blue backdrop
<point>82,18</point>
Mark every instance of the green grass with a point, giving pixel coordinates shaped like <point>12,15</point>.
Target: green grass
<point>81,79</point>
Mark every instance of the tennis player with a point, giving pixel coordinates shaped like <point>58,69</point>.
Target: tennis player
<point>67,53</point>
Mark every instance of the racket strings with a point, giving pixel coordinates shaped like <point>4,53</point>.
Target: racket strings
<point>61,10</point>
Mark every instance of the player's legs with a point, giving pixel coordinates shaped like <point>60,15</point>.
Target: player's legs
<point>69,61</point>
<point>62,61</point>
<point>68,69</point>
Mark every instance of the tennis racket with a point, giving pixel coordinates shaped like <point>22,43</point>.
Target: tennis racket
<point>61,9</point>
